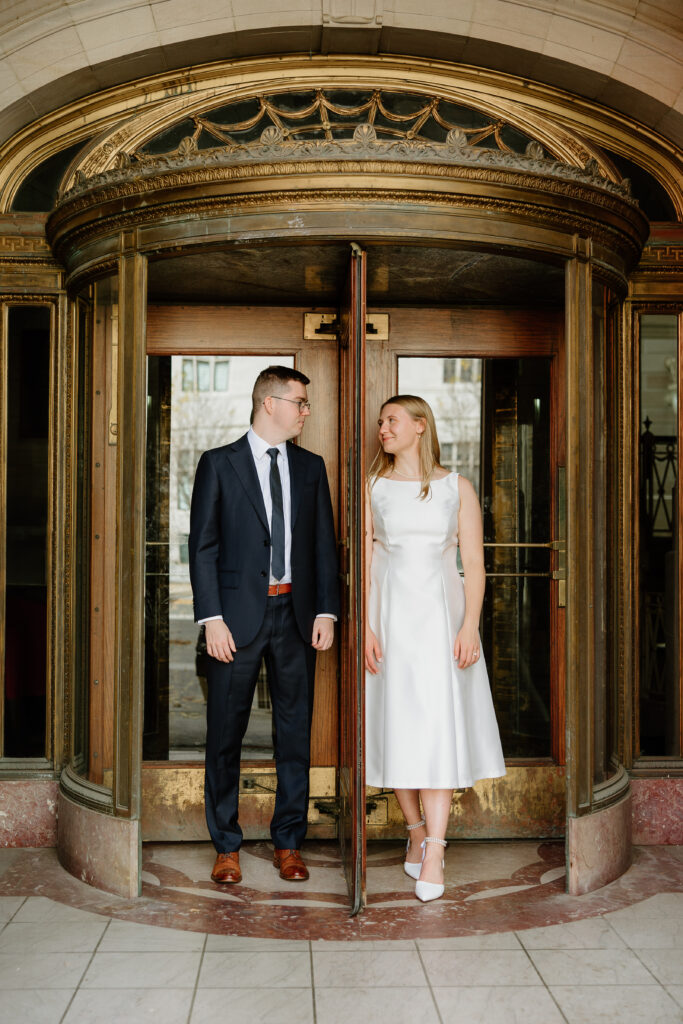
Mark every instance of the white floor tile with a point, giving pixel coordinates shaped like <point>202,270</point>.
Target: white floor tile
<point>590,933</point>
<point>34,1006</point>
<point>42,909</point>
<point>127,936</point>
<point>130,1006</point>
<point>359,969</point>
<point>504,1005</point>
<point>479,967</point>
<point>9,906</point>
<point>255,970</point>
<point>323,946</point>
<point>66,937</point>
<point>590,967</point>
<point>42,970</point>
<point>616,1004</point>
<point>676,992</point>
<point>497,940</point>
<point>665,964</point>
<point>655,923</point>
<point>142,970</point>
<point>253,1006</point>
<point>355,1005</point>
<point>244,944</point>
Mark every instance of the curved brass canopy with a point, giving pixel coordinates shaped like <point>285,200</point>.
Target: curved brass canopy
<point>342,149</point>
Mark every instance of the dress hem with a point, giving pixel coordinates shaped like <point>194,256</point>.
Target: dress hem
<point>432,785</point>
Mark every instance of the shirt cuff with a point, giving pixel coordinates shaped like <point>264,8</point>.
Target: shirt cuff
<point>211,618</point>
<point>326,615</point>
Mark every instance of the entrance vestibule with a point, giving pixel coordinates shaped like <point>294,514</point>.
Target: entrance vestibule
<point>493,373</point>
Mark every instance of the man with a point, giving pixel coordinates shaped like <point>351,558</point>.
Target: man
<point>263,568</point>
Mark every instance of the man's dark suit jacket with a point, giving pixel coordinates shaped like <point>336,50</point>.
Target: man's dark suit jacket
<point>230,541</point>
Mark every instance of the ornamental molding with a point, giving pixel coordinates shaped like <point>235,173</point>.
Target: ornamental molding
<point>611,238</point>
<point>663,255</point>
<point>277,154</point>
<point>22,245</point>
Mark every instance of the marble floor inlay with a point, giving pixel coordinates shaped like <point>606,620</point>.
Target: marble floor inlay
<point>491,887</point>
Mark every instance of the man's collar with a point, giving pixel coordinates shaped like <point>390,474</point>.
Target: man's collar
<point>259,447</point>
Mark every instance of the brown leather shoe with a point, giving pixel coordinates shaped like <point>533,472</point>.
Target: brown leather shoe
<point>291,865</point>
<point>227,868</point>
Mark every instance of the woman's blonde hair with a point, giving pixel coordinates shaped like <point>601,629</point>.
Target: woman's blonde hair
<point>430,453</point>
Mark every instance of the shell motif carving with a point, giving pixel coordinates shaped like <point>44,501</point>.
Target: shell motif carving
<point>271,136</point>
<point>365,134</point>
<point>456,138</point>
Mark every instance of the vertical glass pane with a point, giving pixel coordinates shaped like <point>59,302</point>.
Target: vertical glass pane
<point>493,420</point>
<point>221,374</point>
<point>181,424</point>
<point>517,527</point>
<point>601,746</point>
<point>203,375</point>
<point>28,420</point>
<point>188,374</point>
<point>453,389</point>
<point>659,598</point>
<point>81,572</point>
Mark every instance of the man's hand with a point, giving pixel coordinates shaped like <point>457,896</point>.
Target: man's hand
<point>219,641</point>
<point>323,634</point>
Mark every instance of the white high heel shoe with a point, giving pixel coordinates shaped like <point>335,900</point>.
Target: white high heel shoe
<point>414,869</point>
<point>427,891</point>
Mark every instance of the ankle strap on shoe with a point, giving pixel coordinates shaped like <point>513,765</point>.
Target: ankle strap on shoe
<point>418,824</point>
<point>433,839</point>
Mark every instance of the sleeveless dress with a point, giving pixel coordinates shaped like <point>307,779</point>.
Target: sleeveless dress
<point>429,724</point>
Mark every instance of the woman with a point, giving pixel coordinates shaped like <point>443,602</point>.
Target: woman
<point>430,723</point>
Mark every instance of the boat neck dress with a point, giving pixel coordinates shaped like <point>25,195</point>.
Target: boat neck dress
<point>429,724</point>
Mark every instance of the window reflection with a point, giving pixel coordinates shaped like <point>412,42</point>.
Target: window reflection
<point>193,404</point>
<point>493,420</point>
<point>453,389</point>
<point>27,425</point>
<point>659,703</point>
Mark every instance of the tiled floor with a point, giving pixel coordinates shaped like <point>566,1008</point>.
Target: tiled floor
<point>622,964</point>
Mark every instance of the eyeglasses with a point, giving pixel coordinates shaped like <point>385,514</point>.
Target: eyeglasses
<point>301,402</point>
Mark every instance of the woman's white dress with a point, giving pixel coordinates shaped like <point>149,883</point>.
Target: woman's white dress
<point>429,723</point>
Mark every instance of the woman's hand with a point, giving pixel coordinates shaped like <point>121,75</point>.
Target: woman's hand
<point>373,652</point>
<point>466,647</point>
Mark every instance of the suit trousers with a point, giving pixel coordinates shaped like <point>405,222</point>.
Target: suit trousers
<point>290,663</point>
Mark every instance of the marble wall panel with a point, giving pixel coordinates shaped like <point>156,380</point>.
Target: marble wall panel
<point>28,812</point>
<point>599,847</point>
<point>99,849</point>
<point>657,812</point>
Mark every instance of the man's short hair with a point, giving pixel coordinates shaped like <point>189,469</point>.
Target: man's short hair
<point>274,380</point>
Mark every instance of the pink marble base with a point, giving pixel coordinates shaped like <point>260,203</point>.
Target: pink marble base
<point>657,811</point>
<point>28,815</point>
<point>490,887</point>
<point>599,847</point>
<point>99,849</point>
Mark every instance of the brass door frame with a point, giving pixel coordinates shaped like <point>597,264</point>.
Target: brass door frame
<point>173,793</point>
<point>482,333</point>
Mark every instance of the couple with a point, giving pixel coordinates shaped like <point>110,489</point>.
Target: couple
<point>264,578</point>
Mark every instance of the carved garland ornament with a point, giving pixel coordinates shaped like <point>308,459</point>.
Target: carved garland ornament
<point>364,152</point>
<point>339,123</point>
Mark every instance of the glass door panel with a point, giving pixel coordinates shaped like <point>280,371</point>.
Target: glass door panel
<point>193,403</point>
<point>493,420</point>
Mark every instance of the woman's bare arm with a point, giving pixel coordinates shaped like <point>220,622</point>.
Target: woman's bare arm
<point>471,541</point>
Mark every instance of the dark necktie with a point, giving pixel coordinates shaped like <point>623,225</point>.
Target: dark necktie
<point>277,526</point>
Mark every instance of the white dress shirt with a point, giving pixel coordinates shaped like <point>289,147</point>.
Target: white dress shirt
<point>259,450</point>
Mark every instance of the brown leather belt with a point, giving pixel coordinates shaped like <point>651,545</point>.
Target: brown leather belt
<point>279,588</point>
